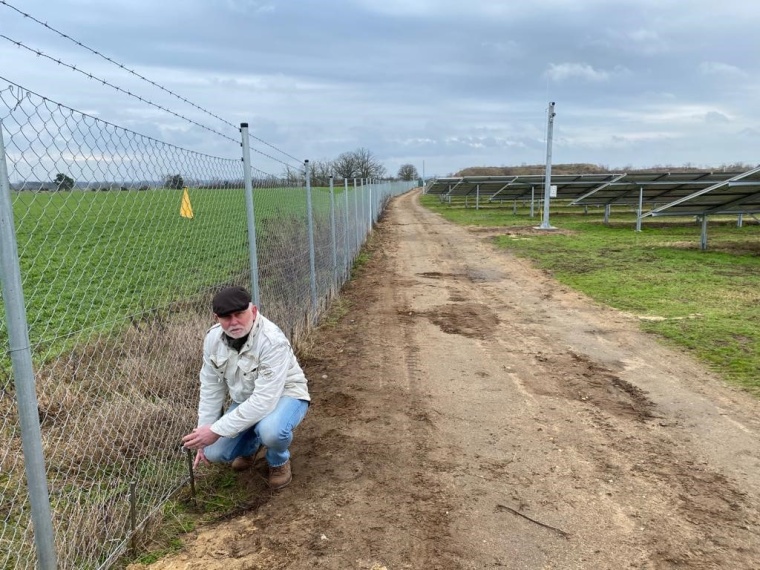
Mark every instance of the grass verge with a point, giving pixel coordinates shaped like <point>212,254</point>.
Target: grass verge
<point>220,494</point>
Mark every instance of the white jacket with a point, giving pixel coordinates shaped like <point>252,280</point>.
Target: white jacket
<point>256,377</point>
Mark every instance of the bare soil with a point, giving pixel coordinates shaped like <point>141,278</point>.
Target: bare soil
<point>469,412</point>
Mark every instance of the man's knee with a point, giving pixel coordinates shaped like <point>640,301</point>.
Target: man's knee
<point>217,453</point>
<point>275,436</point>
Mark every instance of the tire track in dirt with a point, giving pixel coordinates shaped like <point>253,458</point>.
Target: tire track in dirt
<point>715,511</point>
<point>404,510</point>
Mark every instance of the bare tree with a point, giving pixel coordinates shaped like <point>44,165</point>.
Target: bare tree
<point>320,172</point>
<point>293,176</point>
<point>345,166</point>
<point>360,163</point>
<point>367,165</point>
<point>408,172</point>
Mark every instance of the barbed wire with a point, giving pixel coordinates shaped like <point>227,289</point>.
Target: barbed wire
<point>150,81</point>
<point>116,63</point>
<point>22,94</point>
<point>59,61</point>
<point>254,137</point>
<point>40,53</point>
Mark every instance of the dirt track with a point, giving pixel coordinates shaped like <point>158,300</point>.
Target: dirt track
<point>469,412</point>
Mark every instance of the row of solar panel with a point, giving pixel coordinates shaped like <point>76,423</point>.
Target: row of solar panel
<point>680,193</point>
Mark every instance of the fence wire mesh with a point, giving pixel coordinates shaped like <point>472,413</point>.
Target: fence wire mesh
<point>116,285</point>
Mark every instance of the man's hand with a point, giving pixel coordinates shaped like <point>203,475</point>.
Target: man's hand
<point>200,437</point>
<point>200,456</point>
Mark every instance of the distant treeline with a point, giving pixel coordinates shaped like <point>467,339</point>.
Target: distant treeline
<point>588,168</point>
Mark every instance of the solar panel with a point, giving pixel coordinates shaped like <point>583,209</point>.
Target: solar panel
<point>651,188</point>
<point>518,187</point>
<point>738,194</point>
<point>700,194</point>
<point>672,192</point>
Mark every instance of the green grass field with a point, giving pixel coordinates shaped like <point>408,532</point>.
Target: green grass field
<point>92,261</point>
<point>705,301</point>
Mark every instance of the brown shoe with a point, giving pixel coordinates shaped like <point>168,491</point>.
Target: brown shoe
<point>280,476</point>
<point>243,463</point>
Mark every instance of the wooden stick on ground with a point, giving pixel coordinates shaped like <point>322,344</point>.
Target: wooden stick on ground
<point>562,533</point>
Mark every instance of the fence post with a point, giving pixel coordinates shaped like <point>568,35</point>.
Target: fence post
<point>23,375</point>
<point>312,264</point>
<point>365,231</point>
<point>369,205</point>
<point>357,219</point>
<point>345,230</point>
<point>250,212</point>
<point>332,230</point>
<point>545,225</point>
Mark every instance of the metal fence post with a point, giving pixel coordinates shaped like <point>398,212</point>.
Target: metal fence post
<point>332,230</point>
<point>364,211</point>
<point>368,192</point>
<point>250,212</point>
<point>357,219</point>
<point>312,264</point>
<point>371,209</point>
<point>23,375</point>
<point>545,225</point>
<point>369,206</point>
<point>345,230</point>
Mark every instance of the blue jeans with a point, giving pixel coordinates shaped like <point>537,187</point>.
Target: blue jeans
<point>275,431</point>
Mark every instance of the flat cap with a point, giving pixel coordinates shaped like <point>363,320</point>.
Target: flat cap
<point>230,300</point>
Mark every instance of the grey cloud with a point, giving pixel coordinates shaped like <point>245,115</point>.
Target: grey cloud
<point>716,117</point>
<point>456,83</point>
<point>722,69</point>
<point>751,132</point>
<point>582,71</point>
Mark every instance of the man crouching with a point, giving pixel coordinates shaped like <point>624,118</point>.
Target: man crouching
<point>249,356</point>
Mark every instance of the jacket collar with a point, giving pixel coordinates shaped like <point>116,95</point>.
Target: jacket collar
<point>257,319</point>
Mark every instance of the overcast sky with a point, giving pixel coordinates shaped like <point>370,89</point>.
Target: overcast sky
<point>452,83</point>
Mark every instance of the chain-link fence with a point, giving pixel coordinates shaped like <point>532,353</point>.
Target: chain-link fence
<point>120,242</point>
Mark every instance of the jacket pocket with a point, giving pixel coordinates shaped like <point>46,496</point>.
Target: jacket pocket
<point>219,364</point>
<point>249,367</point>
